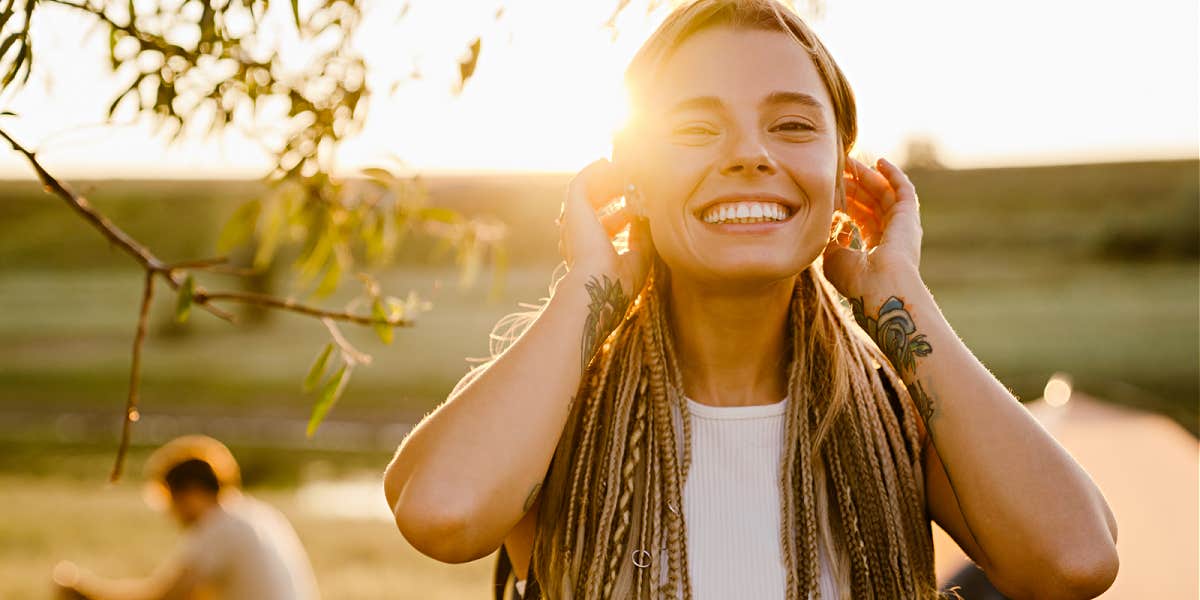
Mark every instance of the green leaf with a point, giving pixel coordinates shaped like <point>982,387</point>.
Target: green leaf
<point>269,240</point>
<point>318,255</point>
<point>329,283</point>
<point>183,302</point>
<point>239,226</point>
<point>7,43</point>
<point>318,368</point>
<point>296,13</point>
<point>466,68</point>
<point>18,60</point>
<point>329,396</point>
<point>383,330</point>
<point>437,213</point>
<point>372,235</point>
<point>396,308</point>
<point>383,176</point>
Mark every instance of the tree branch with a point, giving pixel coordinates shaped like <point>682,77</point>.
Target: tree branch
<point>352,354</point>
<point>172,274</point>
<point>293,306</point>
<point>131,411</point>
<point>114,234</point>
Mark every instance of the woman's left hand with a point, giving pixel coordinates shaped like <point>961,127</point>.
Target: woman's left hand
<point>883,203</point>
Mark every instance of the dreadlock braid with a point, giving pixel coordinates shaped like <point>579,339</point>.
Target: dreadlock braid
<point>661,391</point>
<point>627,474</point>
<point>851,479</point>
<point>852,496</point>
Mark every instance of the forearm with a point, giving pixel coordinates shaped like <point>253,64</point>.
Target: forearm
<point>93,587</point>
<point>471,469</point>
<point>1030,507</point>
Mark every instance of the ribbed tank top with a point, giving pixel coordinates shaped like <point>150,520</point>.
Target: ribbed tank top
<point>732,503</point>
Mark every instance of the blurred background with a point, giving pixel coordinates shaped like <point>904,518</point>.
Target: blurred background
<point>1053,145</point>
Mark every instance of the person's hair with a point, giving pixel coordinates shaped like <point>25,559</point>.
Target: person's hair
<point>852,488</point>
<point>192,474</point>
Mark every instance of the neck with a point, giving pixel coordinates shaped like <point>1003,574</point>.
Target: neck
<point>732,342</point>
<point>201,509</point>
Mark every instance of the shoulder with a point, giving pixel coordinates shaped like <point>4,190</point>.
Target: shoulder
<point>205,546</point>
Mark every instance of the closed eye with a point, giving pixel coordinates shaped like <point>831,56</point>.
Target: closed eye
<point>694,130</point>
<point>793,126</point>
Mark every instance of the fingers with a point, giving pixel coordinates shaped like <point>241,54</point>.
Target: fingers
<point>589,218</point>
<point>865,217</point>
<point>874,184</point>
<point>598,184</point>
<point>615,221</point>
<point>899,181</point>
<point>864,211</point>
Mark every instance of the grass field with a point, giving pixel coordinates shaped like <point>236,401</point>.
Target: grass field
<point>111,532</point>
<point>1089,270</point>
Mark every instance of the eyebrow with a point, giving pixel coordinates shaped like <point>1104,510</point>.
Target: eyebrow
<point>774,98</point>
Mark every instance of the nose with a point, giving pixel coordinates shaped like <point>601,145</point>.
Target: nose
<point>747,155</point>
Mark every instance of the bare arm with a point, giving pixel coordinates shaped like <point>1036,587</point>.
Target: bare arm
<point>468,472</point>
<point>471,469</point>
<point>1011,496</point>
<point>170,582</point>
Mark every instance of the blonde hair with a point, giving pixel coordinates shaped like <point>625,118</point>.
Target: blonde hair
<point>852,488</point>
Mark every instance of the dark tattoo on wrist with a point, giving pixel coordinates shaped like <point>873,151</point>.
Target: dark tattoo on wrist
<point>893,330</point>
<point>605,309</point>
<point>533,494</point>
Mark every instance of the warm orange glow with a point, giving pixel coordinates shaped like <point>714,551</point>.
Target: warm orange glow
<point>1029,83</point>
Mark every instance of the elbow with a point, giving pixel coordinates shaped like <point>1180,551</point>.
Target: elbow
<point>441,526</point>
<point>443,531</point>
<point>1087,575</point>
<point>1070,576</point>
<point>1073,577</point>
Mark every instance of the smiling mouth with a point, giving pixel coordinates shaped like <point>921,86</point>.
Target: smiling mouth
<point>745,212</point>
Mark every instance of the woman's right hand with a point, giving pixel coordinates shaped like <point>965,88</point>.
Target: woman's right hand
<point>586,238</point>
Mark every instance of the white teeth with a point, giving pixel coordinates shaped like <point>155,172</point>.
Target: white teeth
<point>745,212</point>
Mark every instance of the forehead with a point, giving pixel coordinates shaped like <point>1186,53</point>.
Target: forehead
<point>738,66</point>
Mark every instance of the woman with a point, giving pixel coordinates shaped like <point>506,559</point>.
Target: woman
<point>632,441</point>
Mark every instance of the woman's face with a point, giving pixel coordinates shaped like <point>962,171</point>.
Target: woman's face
<point>738,161</point>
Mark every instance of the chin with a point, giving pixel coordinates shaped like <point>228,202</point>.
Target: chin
<point>752,270</point>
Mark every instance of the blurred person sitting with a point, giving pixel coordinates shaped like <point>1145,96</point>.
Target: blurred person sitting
<point>234,547</point>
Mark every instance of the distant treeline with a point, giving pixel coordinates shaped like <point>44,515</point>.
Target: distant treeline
<point>1114,211</point>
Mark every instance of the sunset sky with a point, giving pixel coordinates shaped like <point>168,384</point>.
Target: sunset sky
<point>1017,83</point>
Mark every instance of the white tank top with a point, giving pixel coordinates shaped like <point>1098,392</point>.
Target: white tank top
<point>732,504</point>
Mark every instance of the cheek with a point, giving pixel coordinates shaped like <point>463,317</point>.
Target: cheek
<point>667,178</point>
<point>815,173</point>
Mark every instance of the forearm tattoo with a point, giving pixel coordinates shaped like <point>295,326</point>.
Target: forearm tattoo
<point>893,330</point>
<point>605,309</point>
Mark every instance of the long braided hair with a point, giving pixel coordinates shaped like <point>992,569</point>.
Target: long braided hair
<point>852,489</point>
<point>611,524</point>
